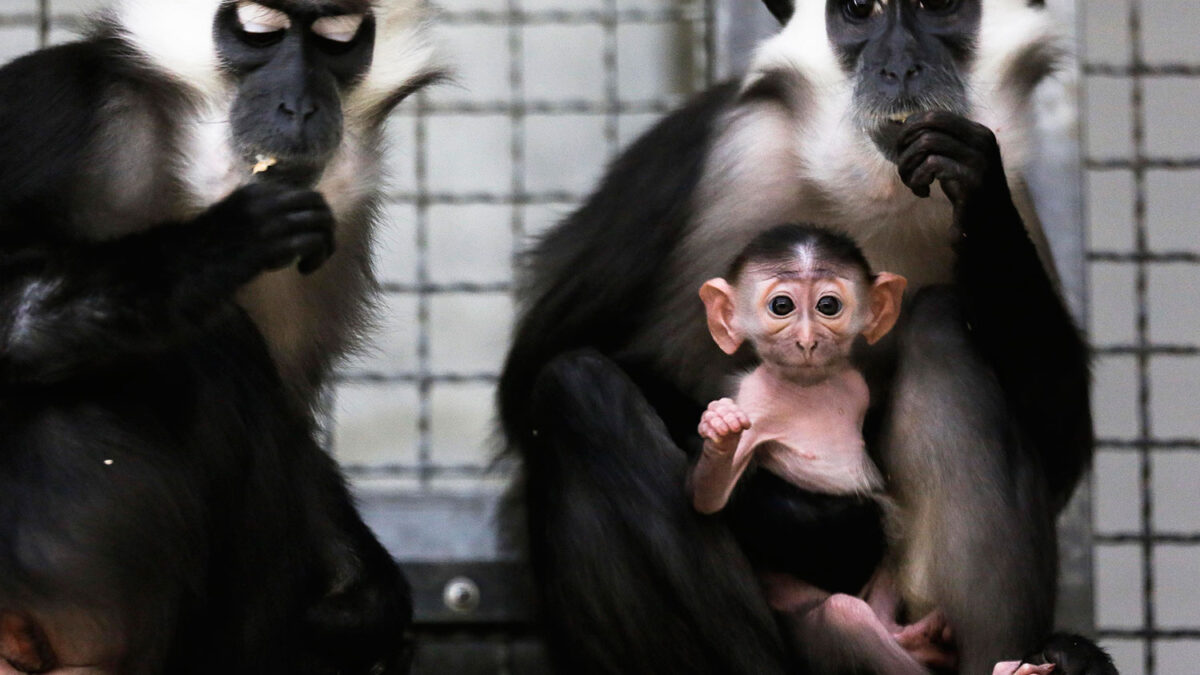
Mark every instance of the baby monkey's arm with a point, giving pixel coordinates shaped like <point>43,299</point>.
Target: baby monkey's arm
<point>723,459</point>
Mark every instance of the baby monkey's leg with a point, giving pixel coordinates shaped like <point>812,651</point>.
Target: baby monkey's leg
<point>835,632</point>
<point>929,641</point>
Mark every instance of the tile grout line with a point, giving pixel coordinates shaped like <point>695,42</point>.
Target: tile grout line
<point>1146,469</point>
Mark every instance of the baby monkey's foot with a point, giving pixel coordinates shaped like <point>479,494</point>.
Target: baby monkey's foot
<point>930,641</point>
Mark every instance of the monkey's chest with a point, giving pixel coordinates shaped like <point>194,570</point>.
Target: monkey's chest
<point>829,461</point>
<point>844,471</point>
<point>810,436</point>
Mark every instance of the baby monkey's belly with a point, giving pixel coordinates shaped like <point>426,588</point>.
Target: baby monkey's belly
<point>834,542</point>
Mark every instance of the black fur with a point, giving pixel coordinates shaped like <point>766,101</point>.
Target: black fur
<point>1000,276</point>
<point>609,525</point>
<point>833,542</point>
<point>782,9</point>
<point>608,498</point>
<point>157,475</point>
<point>599,467</point>
<point>76,307</point>
<point>778,246</point>
<point>1074,655</point>
<point>51,111</point>
<point>180,497</point>
<point>589,294</point>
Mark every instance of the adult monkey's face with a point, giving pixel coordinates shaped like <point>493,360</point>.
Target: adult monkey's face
<point>291,61</point>
<point>904,56</point>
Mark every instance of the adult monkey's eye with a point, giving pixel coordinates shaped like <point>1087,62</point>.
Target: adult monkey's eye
<point>859,9</point>
<point>829,305</point>
<point>261,26</point>
<point>781,305</point>
<point>256,18</point>
<point>939,6</point>
<point>341,28</point>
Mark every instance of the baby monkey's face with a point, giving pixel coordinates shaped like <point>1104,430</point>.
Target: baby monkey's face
<point>802,312</point>
<point>802,322</point>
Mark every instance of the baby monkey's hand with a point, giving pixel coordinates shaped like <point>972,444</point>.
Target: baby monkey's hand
<point>722,425</point>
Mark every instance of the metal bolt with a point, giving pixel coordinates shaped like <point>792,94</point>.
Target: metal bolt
<point>461,595</point>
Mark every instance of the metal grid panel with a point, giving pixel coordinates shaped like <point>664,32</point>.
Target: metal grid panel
<point>1143,168</point>
<point>548,90</point>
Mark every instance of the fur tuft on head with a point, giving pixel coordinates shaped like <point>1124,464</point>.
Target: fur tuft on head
<point>175,36</point>
<point>405,59</point>
<point>1019,46</point>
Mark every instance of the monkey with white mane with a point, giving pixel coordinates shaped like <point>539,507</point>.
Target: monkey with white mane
<point>184,253</point>
<point>904,124</point>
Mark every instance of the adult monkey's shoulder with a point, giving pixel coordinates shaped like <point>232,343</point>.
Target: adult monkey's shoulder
<point>576,290</point>
<point>813,137</point>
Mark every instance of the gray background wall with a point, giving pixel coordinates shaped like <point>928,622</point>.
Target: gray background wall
<point>549,89</point>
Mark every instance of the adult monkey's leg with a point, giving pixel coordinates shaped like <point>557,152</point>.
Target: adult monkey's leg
<point>633,580</point>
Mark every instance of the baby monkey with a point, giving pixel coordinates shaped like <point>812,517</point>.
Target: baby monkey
<point>800,296</point>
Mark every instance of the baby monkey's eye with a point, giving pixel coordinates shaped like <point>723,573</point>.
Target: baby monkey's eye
<point>829,305</point>
<point>781,305</point>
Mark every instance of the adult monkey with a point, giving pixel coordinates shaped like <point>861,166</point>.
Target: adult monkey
<point>163,507</point>
<point>884,119</point>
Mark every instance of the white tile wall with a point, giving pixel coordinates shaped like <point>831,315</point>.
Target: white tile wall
<point>564,153</point>
<point>1174,202</point>
<point>1170,28</point>
<point>1171,119</point>
<point>1155,492</point>
<point>1107,117</point>
<point>563,61</point>
<point>1110,201</point>
<point>1119,586</point>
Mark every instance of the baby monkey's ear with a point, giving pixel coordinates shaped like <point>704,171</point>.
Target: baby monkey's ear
<point>717,295</point>
<point>887,293</point>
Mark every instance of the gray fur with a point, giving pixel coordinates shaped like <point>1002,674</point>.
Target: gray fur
<point>977,537</point>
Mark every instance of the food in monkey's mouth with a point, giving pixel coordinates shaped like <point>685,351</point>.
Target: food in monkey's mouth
<point>263,163</point>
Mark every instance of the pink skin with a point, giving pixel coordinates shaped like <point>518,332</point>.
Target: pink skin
<point>722,425</point>
<point>1018,668</point>
<point>56,643</point>
<point>807,348</point>
<point>801,345</point>
<point>930,641</point>
<point>806,342</point>
<point>847,629</point>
